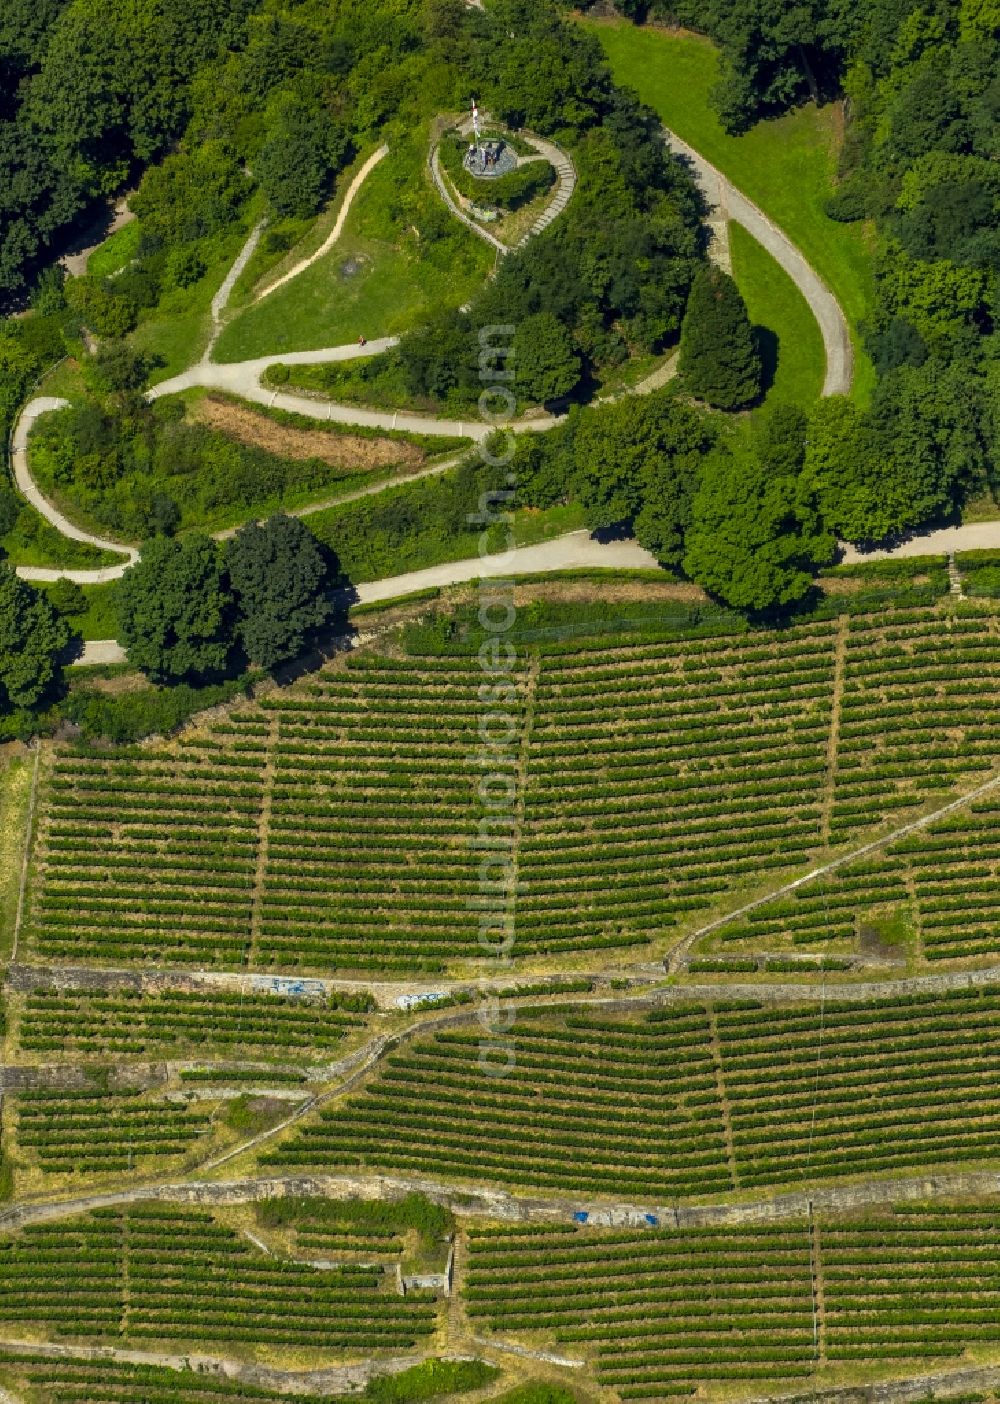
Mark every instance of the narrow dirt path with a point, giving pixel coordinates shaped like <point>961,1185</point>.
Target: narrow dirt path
<point>335,232</point>
<point>221,299</point>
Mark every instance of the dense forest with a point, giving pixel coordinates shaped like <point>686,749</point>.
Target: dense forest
<point>921,84</point>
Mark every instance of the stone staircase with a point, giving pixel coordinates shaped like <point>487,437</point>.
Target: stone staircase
<point>566,174</point>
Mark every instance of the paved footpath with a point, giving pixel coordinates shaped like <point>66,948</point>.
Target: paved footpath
<point>29,489</point>
<point>244,378</point>
<point>973,536</point>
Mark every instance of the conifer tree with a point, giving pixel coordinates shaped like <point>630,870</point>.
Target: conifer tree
<point>719,359</point>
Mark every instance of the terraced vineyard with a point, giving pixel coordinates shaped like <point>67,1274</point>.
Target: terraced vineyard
<point>658,1312</point>
<point>918,711</point>
<point>111,1382</point>
<point>662,1313</point>
<point>325,828</point>
<point>150,855</point>
<point>88,1130</point>
<point>381,749</point>
<point>686,1101</point>
<point>661,779</point>
<point>942,883</point>
<point>116,1382</point>
<point>639,1099</point>
<point>663,774</point>
<point>159,1273</point>
<point>75,1024</point>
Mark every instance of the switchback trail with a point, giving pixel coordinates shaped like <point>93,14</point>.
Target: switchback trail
<point>244,378</point>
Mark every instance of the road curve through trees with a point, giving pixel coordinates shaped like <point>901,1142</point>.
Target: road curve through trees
<point>721,194</point>
<point>577,550</point>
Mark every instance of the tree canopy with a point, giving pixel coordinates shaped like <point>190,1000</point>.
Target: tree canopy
<point>545,364</point>
<point>637,462</point>
<point>175,610</point>
<point>278,576</point>
<point>32,638</point>
<point>188,610</point>
<point>756,537</point>
<point>719,360</point>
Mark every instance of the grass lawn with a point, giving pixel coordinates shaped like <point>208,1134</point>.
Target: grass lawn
<point>65,381</point>
<point>379,383</point>
<point>790,337</point>
<point>176,332</point>
<point>100,620</point>
<point>380,279</point>
<point>376,557</point>
<point>15,790</point>
<point>300,238</point>
<point>786,165</point>
<point>117,251</point>
<point>983,508</point>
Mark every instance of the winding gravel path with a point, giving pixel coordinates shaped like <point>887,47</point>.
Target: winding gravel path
<point>221,299</point>
<point>574,551</point>
<point>973,536</point>
<point>722,194</point>
<point>28,488</point>
<point>244,379</point>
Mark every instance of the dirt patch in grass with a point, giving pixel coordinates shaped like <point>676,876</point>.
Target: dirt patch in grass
<point>611,592</point>
<point>347,451</point>
<point>119,684</point>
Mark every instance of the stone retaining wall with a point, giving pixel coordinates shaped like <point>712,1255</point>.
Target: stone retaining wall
<point>482,1202</point>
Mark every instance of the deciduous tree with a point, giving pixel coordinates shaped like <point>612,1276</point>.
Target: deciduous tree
<point>756,539</point>
<point>545,364</point>
<point>175,610</point>
<point>32,637</point>
<point>279,577</point>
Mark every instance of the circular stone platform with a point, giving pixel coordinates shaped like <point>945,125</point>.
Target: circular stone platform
<point>490,159</point>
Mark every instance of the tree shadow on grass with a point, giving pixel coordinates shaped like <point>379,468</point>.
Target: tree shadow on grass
<point>769,350</point>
